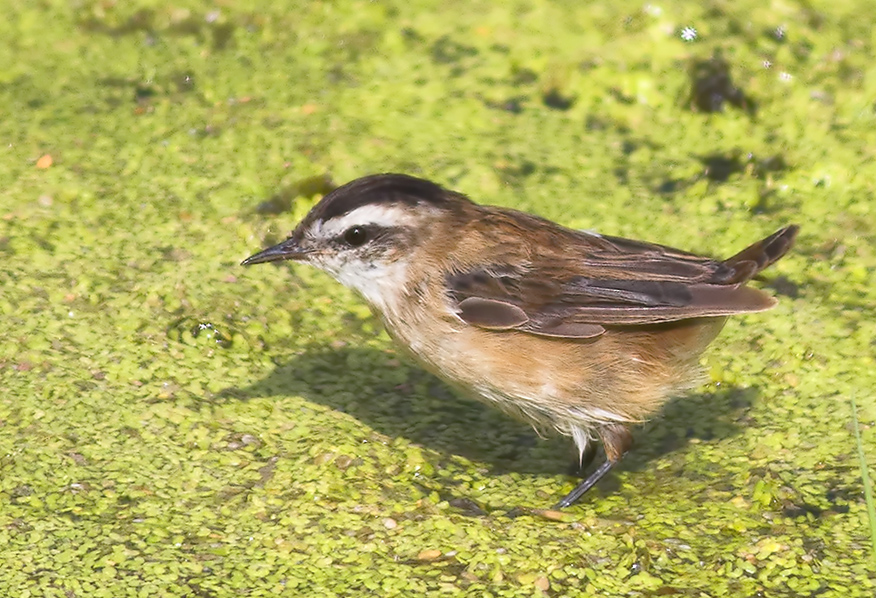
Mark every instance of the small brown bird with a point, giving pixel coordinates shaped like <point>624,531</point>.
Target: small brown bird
<point>564,329</point>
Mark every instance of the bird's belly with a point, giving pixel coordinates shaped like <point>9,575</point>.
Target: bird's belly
<point>622,375</point>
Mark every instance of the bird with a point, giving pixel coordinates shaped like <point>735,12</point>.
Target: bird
<point>571,331</point>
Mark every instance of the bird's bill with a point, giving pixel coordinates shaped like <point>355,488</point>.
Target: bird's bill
<point>287,250</point>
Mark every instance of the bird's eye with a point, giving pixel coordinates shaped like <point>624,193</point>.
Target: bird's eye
<point>355,236</point>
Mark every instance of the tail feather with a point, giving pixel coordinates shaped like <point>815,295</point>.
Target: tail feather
<point>762,254</point>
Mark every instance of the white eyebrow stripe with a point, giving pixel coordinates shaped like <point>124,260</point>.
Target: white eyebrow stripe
<point>376,215</point>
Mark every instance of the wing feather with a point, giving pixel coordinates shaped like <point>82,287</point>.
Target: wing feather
<point>616,282</point>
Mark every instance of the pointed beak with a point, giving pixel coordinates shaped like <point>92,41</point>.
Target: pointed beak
<point>287,250</point>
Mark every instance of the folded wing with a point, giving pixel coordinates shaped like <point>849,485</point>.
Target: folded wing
<point>614,282</point>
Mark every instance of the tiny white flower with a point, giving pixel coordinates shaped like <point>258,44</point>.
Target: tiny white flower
<point>688,34</point>
<point>767,64</point>
<point>785,76</point>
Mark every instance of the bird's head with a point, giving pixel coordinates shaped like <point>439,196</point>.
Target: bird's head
<point>368,232</point>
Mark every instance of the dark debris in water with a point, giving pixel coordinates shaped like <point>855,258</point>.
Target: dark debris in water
<point>837,504</point>
<point>712,87</point>
<point>448,51</point>
<point>784,286</point>
<point>514,105</point>
<point>556,99</point>
<point>516,512</point>
<point>720,167</point>
<point>515,173</point>
<point>144,93</point>
<point>457,56</point>
<point>467,507</point>
<point>523,76</point>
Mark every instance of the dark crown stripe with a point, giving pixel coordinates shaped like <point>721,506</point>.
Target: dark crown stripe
<point>380,189</point>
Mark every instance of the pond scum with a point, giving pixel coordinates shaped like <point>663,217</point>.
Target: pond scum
<point>170,427</point>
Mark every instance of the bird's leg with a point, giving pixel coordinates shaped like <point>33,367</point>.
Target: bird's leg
<point>585,485</point>
<point>616,440</point>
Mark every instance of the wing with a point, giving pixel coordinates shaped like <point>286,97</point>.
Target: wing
<point>616,282</point>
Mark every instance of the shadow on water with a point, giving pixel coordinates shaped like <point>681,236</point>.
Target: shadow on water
<point>400,400</point>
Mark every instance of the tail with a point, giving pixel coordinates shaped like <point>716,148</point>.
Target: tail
<point>754,258</point>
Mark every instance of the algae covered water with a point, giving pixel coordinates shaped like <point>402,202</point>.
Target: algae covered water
<point>172,425</point>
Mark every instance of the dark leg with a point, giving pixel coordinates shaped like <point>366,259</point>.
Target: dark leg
<point>584,486</point>
<point>616,440</point>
